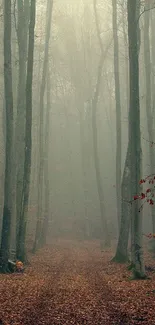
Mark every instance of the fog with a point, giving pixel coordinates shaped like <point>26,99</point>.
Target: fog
<point>73,56</point>
<point>77,132</point>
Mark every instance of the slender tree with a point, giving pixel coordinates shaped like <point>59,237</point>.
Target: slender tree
<point>125,38</point>
<point>28,137</point>
<point>135,136</point>
<point>7,209</point>
<point>37,241</point>
<point>22,36</point>
<point>46,163</point>
<point>149,94</point>
<point>153,58</point>
<point>118,110</point>
<point>121,255</point>
<point>105,233</point>
<point>84,144</point>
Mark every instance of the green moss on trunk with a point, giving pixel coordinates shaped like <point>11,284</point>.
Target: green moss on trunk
<point>120,258</point>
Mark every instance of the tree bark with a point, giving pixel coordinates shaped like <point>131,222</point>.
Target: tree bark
<point>37,241</point>
<point>126,51</point>
<point>8,204</point>
<point>149,94</point>
<point>22,34</point>
<point>104,225</point>
<point>118,111</point>
<point>121,255</point>
<point>84,157</point>
<point>46,164</point>
<point>28,136</point>
<point>135,137</point>
<point>153,59</point>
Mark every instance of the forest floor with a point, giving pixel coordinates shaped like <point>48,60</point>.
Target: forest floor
<point>72,282</point>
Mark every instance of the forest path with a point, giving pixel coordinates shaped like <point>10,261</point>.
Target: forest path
<point>75,291</point>
<point>68,283</point>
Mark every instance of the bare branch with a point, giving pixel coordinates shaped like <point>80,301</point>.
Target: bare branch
<point>145,10</point>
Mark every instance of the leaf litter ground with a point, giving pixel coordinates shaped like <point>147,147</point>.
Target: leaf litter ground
<point>72,282</point>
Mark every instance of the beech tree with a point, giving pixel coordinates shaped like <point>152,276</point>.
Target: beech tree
<point>105,234</point>
<point>28,138</point>
<point>121,255</point>
<point>7,209</point>
<point>40,212</point>
<point>135,137</point>
<point>44,231</point>
<point>149,95</point>
<point>118,111</point>
<point>22,36</point>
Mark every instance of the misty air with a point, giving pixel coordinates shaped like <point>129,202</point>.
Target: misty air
<point>77,162</point>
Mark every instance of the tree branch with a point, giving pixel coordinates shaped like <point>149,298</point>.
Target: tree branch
<point>145,10</point>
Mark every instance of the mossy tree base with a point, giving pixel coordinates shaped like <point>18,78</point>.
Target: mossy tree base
<point>138,276</point>
<point>8,269</point>
<point>120,258</point>
<point>130,266</point>
<point>5,270</point>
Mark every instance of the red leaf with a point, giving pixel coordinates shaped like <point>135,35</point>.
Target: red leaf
<point>142,196</point>
<point>142,181</point>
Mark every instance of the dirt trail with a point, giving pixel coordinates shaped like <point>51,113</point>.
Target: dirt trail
<point>67,283</point>
<point>74,292</point>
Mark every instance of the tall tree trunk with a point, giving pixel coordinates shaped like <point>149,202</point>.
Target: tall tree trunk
<point>36,142</point>
<point>94,125</point>
<point>104,225</point>
<point>84,158</point>
<point>7,209</point>
<point>41,129</point>
<point>153,59</point>
<point>28,136</point>
<point>121,255</point>
<point>118,111</point>
<point>135,137</point>
<point>46,164</point>
<point>14,88</point>
<point>149,109</point>
<point>22,34</point>
<point>126,52</point>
